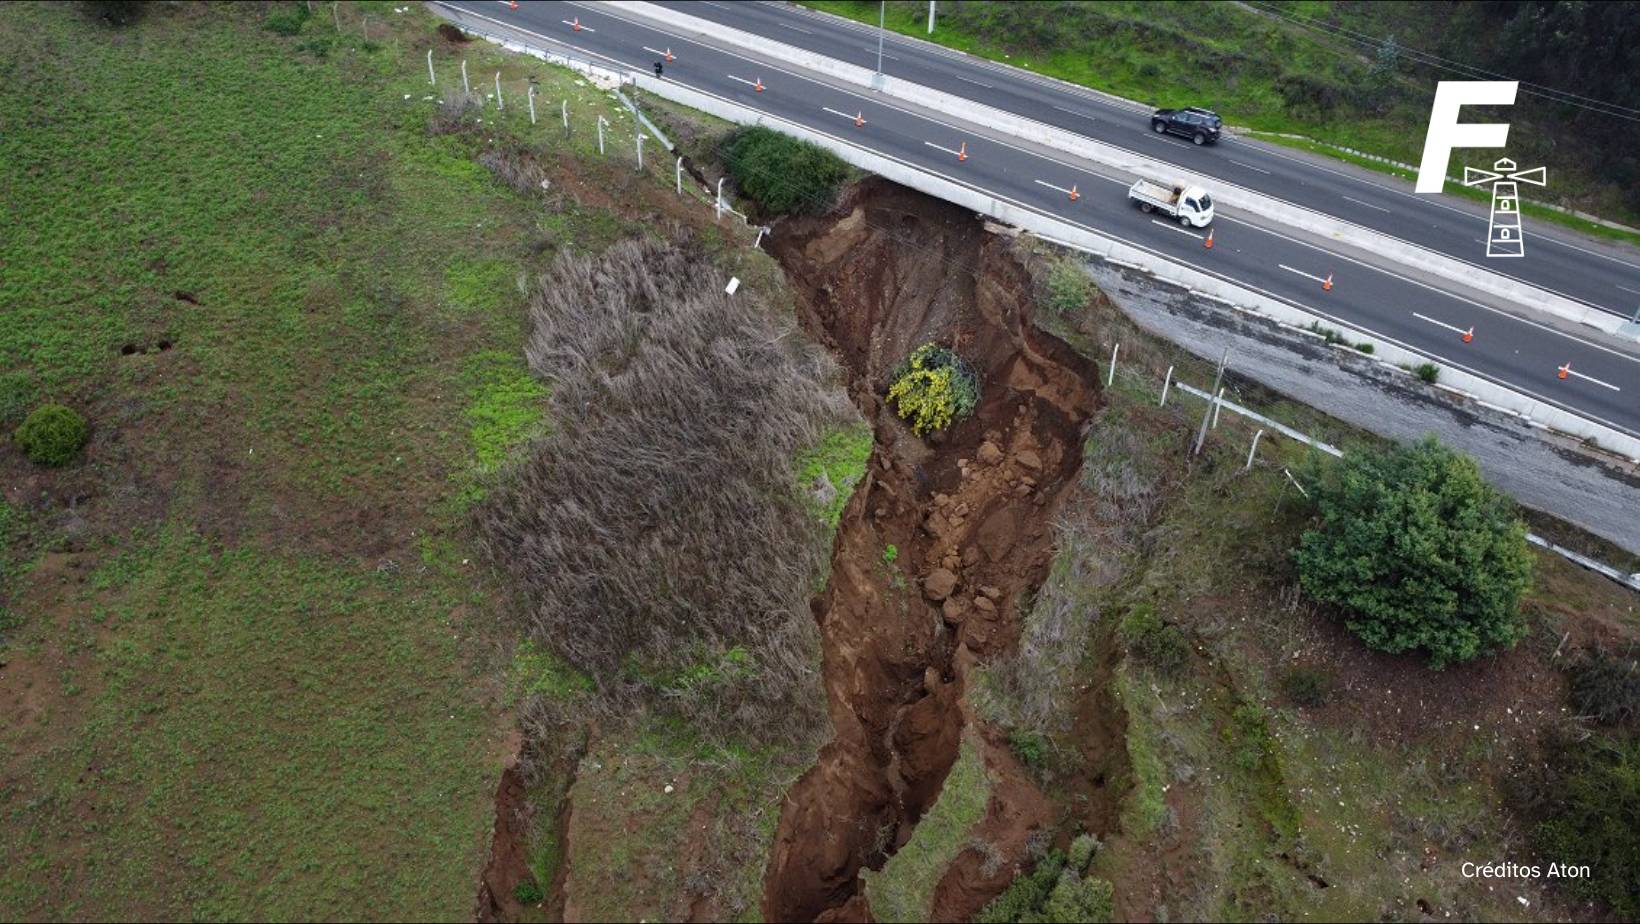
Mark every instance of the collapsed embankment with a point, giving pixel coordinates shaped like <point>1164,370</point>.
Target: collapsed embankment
<point>936,548</point>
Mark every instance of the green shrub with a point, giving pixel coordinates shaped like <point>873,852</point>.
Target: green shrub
<point>1028,746</point>
<point>1420,552</point>
<point>891,552</point>
<point>1068,287</point>
<point>1076,900</point>
<point>782,174</point>
<point>1427,373</point>
<point>287,21</point>
<point>529,892</point>
<point>52,435</point>
<point>1157,644</point>
<point>1593,818</point>
<point>933,387</point>
<point>1026,894</point>
<point>1306,686</point>
<point>1365,347</point>
<point>1055,891</point>
<point>1081,853</point>
<point>1605,688</point>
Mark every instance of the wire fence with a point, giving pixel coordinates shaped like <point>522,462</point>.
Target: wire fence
<point>1215,403</point>
<point>662,161</point>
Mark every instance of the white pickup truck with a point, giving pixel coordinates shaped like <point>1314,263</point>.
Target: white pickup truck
<point>1191,205</point>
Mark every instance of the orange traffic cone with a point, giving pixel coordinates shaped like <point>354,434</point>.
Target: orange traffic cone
<point>1565,369</point>
<point>859,119</point>
<point>1326,284</point>
<point>759,85</point>
<point>576,25</point>
<point>963,153</point>
<point>668,56</point>
<point>1469,335</point>
<point>1074,194</point>
<point>513,4</point>
<point>1208,242</point>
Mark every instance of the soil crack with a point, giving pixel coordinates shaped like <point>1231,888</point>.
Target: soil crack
<point>968,513</point>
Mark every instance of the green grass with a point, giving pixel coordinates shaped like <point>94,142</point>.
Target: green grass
<point>259,736</point>
<point>504,405</point>
<point>636,851</point>
<point>1534,209</point>
<point>264,701</point>
<point>1257,71</point>
<point>904,889</point>
<point>841,457</point>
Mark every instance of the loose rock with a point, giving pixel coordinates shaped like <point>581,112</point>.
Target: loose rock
<point>939,584</point>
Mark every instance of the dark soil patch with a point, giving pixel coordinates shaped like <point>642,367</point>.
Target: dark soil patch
<point>897,270</point>
<point>507,867</point>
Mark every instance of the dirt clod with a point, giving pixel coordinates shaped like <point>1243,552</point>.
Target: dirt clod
<point>939,584</point>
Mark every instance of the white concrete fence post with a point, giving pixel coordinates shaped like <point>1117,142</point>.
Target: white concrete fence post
<point>601,123</point>
<point>641,137</point>
<point>431,77</point>
<point>1111,376</point>
<point>760,232</point>
<point>717,205</point>
<point>1165,383</point>
<point>1253,450</point>
<point>466,88</point>
<point>1218,403</point>
<point>498,103</point>
<point>680,176</point>
<point>531,95</point>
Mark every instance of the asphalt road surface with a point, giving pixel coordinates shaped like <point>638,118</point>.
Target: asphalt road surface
<point>1588,271</point>
<point>1602,383</point>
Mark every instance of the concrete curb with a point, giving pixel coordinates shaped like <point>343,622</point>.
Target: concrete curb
<point>1340,232</point>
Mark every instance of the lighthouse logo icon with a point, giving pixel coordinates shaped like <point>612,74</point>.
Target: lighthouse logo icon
<point>1503,233</point>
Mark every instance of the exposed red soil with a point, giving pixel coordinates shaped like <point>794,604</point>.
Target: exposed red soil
<point>969,513</point>
<point>507,866</point>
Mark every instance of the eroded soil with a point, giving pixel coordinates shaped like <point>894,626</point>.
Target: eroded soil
<point>936,547</point>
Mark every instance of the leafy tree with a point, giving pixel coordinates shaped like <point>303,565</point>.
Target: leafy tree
<point>1420,552</point>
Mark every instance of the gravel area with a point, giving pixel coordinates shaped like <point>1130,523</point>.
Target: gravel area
<point>1545,472</point>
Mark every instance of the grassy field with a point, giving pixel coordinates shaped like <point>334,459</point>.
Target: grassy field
<point>246,657</point>
<point>1258,70</point>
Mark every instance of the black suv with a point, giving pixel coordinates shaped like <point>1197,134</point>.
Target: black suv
<point>1199,125</point>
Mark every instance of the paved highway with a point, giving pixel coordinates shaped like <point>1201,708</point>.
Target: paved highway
<point>1589,271</point>
<point>1603,383</point>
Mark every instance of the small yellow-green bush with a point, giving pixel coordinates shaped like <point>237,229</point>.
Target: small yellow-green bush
<point>932,388</point>
<point>52,435</point>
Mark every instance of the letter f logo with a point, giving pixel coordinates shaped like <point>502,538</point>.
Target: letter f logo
<point>1446,133</point>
